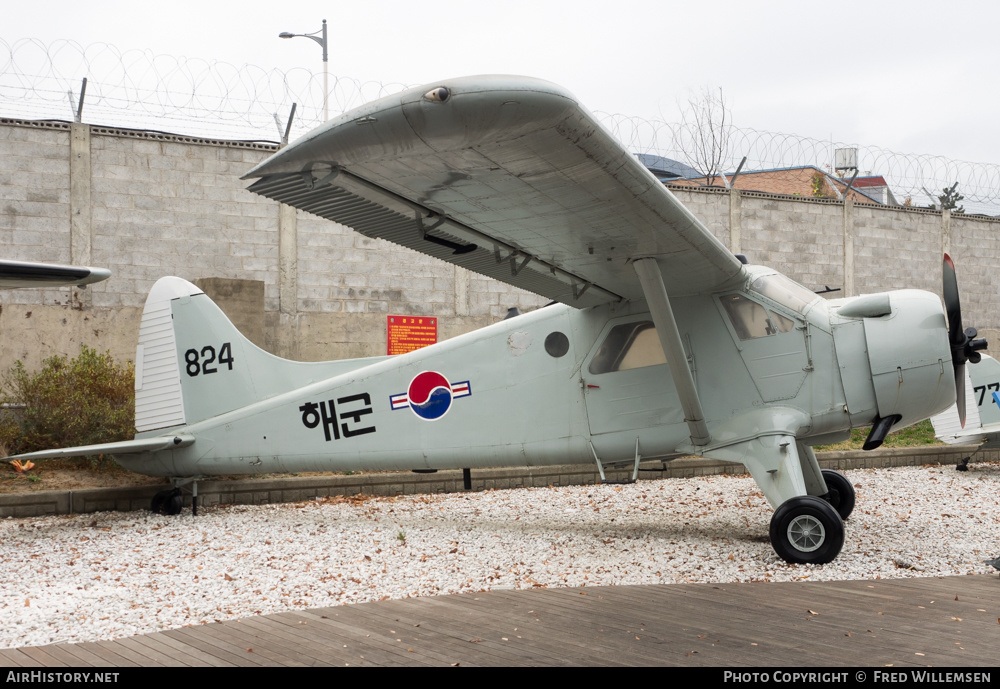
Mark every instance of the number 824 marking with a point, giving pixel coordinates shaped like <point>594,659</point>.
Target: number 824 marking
<point>203,363</point>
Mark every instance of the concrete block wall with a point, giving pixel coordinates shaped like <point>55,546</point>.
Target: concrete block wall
<point>860,248</point>
<point>147,204</point>
<point>35,201</point>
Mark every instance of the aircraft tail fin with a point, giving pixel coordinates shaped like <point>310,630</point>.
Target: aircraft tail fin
<point>193,364</point>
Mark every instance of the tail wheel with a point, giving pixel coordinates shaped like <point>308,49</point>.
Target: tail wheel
<point>174,503</point>
<point>168,501</point>
<point>159,501</point>
<point>840,493</point>
<point>807,530</point>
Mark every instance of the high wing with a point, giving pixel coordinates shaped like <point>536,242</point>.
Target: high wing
<point>506,176</point>
<point>17,274</point>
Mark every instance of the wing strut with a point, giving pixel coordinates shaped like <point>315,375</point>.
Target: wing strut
<point>651,280</point>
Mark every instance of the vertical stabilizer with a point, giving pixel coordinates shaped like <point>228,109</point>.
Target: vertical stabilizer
<point>193,364</point>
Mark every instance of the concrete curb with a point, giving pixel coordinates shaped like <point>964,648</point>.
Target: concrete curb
<point>298,488</point>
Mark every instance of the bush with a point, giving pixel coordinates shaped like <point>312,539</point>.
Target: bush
<point>83,401</point>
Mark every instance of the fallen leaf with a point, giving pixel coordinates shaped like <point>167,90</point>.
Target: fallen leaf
<point>813,612</point>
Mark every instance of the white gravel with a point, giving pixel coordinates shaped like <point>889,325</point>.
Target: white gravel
<point>109,575</point>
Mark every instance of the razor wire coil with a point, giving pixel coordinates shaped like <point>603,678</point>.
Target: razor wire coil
<point>138,89</point>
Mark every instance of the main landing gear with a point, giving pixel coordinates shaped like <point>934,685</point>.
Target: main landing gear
<point>810,530</point>
<point>807,530</point>
<point>840,493</point>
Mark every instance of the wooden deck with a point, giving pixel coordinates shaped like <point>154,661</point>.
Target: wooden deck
<point>942,621</point>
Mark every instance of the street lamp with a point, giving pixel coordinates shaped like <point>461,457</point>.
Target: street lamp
<point>322,42</point>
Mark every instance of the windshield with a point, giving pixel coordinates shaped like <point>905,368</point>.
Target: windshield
<point>784,291</point>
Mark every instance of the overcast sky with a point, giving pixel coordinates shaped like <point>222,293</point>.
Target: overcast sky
<point>913,77</point>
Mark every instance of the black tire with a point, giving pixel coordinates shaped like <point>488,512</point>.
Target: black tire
<point>174,503</point>
<point>840,493</point>
<point>159,501</point>
<point>807,530</point>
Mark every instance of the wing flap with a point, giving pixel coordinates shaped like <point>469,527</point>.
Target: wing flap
<point>377,213</point>
<point>513,165</point>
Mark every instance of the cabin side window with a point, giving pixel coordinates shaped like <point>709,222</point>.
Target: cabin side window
<point>628,346</point>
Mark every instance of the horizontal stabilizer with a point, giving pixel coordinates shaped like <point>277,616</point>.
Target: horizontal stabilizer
<point>17,274</point>
<point>125,447</point>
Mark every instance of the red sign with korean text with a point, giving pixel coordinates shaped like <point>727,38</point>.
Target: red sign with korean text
<point>406,333</point>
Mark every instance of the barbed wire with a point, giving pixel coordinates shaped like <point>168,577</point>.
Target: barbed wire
<point>909,175</point>
<point>141,90</point>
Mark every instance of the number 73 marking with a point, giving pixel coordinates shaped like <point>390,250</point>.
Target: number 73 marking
<point>981,389</point>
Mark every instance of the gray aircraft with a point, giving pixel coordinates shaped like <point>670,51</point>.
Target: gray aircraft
<point>659,342</point>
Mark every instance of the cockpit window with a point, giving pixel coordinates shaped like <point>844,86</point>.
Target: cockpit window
<point>628,346</point>
<point>749,318</point>
<point>782,324</point>
<point>784,291</point>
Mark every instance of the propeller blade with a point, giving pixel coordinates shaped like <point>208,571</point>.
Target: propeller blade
<point>960,391</point>
<point>952,303</point>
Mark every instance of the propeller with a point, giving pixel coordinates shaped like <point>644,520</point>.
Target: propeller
<point>964,345</point>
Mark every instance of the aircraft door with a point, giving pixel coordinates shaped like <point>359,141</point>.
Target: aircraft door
<point>627,382</point>
<point>771,343</point>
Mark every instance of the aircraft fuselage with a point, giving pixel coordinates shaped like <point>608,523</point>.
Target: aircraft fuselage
<point>557,385</point>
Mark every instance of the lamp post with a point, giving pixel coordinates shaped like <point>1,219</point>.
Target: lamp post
<point>322,41</point>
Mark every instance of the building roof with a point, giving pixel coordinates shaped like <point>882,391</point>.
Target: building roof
<point>666,168</point>
<point>801,180</point>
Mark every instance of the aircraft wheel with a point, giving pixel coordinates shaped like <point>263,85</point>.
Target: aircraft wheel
<point>840,493</point>
<point>174,503</point>
<point>807,530</point>
<point>157,505</point>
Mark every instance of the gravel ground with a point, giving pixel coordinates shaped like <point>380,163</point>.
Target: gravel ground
<point>109,575</point>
